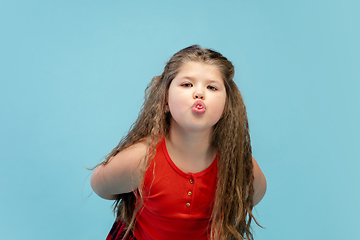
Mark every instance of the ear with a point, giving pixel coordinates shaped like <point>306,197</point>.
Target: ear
<point>167,109</point>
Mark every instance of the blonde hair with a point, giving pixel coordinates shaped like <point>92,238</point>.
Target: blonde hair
<point>232,211</point>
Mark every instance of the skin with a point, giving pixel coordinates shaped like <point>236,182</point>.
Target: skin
<point>185,143</point>
<point>189,139</point>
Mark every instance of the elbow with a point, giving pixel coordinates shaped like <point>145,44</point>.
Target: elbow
<point>94,181</point>
<point>97,186</point>
<point>260,190</point>
<point>259,184</point>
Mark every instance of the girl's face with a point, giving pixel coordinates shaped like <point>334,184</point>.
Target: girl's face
<point>196,97</point>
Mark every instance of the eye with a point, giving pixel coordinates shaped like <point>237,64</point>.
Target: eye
<point>212,88</point>
<point>186,85</point>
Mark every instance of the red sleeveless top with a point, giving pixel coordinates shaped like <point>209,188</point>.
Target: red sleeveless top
<point>177,205</point>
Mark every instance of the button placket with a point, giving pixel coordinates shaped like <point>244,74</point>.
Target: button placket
<point>190,192</point>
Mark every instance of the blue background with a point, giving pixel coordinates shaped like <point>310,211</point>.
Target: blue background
<point>73,75</point>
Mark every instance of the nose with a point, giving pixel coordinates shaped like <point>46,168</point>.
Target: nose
<point>199,95</point>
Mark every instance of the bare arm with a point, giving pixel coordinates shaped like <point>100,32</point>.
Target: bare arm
<point>259,183</point>
<point>121,174</point>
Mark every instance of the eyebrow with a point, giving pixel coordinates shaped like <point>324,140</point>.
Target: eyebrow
<point>208,80</point>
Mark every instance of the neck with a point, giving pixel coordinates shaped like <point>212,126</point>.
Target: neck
<point>191,151</point>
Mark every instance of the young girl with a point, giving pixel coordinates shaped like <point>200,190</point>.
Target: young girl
<point>185,169</point>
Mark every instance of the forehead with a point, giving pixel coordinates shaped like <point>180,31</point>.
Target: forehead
<point>199,70</point>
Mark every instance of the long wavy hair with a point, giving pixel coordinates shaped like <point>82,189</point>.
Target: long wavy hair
<point>232,211</point>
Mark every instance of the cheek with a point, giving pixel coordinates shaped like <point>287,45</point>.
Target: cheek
<point>176,95</point>
<point>221,107</point>
<point>177,104</point>
<point>169,96</point>
<point>174,99</point>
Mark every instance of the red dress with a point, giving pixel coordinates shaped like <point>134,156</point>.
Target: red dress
<point>177,205</point>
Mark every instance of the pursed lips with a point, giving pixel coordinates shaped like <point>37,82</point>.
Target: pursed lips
<point>198,107</point>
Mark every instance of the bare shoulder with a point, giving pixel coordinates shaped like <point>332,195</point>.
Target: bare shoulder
<point>135,151</point>
<point>121,174</point>
<point>260,184</point>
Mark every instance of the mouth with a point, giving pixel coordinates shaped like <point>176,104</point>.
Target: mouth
<point>198,107</point>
